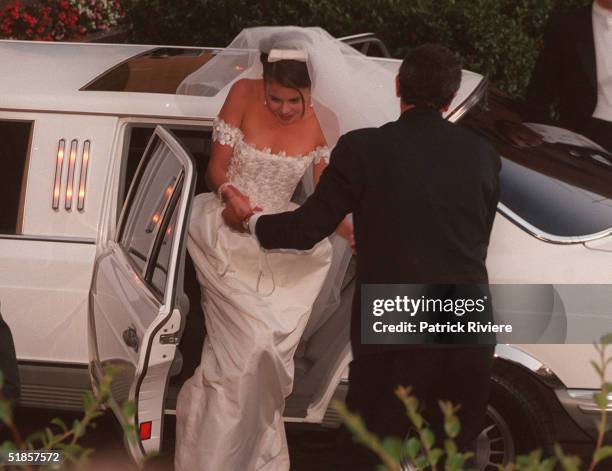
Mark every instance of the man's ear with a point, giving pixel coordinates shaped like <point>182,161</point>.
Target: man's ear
<point>447,106</point>
<point>397,86</point>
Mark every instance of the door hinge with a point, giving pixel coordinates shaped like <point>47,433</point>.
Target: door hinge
<point>169,339</point>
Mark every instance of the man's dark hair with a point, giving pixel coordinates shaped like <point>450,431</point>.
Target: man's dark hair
<point>429,76</point>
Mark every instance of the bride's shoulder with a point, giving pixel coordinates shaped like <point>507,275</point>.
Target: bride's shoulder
<point>241,94</point>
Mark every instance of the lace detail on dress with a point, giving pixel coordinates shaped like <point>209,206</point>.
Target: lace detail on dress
<point>225,133</point>
<point>268,179</point>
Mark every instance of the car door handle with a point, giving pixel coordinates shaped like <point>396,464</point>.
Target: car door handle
<point>130,337</point>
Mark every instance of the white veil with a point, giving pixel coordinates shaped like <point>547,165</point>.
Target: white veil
<point>349,91</point>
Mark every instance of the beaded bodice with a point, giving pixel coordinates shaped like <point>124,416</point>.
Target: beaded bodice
<point>268,179</point>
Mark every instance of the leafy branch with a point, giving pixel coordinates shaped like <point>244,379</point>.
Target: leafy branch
<point>58,436</point>
<point>421,453</point>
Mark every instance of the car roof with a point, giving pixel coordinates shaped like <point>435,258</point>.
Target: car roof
<point>51,77</point>
<point>48,76</point>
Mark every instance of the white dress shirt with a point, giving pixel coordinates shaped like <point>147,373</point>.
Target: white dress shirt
<point>252,223</point>
<point>602,34</point>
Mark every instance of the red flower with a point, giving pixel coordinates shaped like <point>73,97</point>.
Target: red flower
<point>29,19</point>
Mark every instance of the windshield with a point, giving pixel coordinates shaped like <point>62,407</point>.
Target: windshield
<point>556,181</point>
<point>160,70</point>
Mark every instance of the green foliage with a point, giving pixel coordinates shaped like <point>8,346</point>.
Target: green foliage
<point>421,451</point>
<point>58,436</point>
<point>498,38</point>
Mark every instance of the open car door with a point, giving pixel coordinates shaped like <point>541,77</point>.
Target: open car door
<point>135,313</point>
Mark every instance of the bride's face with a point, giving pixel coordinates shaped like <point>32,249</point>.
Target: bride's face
<point>287,104</point>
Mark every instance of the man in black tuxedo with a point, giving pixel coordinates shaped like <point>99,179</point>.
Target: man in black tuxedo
<point>423,193</point>
<point>574,73</point>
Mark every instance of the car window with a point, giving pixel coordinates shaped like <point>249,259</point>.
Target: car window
<point>150,204</point>
<point>159,70</point>
<point>163,70</point>
<point>160,262</point>
<point>197,140</point>
<point>553,181</point>
<point>14,151</point>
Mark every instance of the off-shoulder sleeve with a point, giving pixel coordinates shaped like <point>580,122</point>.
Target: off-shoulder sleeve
<point>321,154</point>
<point>224,133</point>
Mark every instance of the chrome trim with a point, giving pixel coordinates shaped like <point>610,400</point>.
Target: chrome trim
<point>53,385</point>
<point>74,145</point>
<point>121,115</point>
<point>59,167</point>
<point>357,36</point>
<point>53,239</point>
<point>579,405</point>
<point>546,237</point>
<point>83,176</point>
<point>473,98</point>
<point>586,404</point>
<point>540,370</point>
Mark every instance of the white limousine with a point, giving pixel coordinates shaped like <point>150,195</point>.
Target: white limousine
<point>87,278</point>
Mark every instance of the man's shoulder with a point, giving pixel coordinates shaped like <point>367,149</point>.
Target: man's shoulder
<point>359,135</point>
<point>360,139</point>
<point>474,140</point>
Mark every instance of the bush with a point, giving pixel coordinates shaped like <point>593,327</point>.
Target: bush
<point>52,20</point>
<point>498,38</point>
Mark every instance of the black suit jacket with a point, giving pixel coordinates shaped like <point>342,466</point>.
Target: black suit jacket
<point>423,194</point>
<point>565,74</point>
<point>8,363</point>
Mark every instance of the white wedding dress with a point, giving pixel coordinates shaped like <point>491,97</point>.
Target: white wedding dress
<point>256,305</point>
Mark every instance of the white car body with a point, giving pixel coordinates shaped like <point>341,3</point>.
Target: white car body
<point>47,264</point>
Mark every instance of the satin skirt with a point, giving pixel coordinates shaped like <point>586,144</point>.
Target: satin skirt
<point>256,305</point>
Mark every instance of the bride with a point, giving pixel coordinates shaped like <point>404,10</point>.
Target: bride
<point>283,111</point>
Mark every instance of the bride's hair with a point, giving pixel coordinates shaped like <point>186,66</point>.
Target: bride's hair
<point>288,73</point>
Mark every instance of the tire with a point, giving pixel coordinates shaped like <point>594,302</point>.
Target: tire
<point>517,421</point>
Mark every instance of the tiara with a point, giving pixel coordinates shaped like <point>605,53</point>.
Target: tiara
<point>276,55</point>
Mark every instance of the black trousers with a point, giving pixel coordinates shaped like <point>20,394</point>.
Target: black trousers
<point>8,362</point>
<point>460,374</point>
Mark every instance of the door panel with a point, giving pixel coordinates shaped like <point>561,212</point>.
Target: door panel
<point>134,318</point>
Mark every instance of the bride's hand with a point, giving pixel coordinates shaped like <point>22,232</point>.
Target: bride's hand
<point>237,208</point>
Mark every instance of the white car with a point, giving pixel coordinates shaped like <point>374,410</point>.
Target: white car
<point>93,274</point>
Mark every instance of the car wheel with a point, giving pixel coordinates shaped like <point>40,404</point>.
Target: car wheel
<point>517,422</point>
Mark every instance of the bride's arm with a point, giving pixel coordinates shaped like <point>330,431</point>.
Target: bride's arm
<point>221,154</point>
<point>345,228</point>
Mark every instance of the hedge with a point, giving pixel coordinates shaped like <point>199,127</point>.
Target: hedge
<point>57,20</point>
<point>499,38</point>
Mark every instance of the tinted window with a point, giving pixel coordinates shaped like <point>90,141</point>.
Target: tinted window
<point>150,204</point>
<point>556,180</point>
<point>14,148</point>
<point>196,140</point>
<point>161,264</point>
<point>160,70</point>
